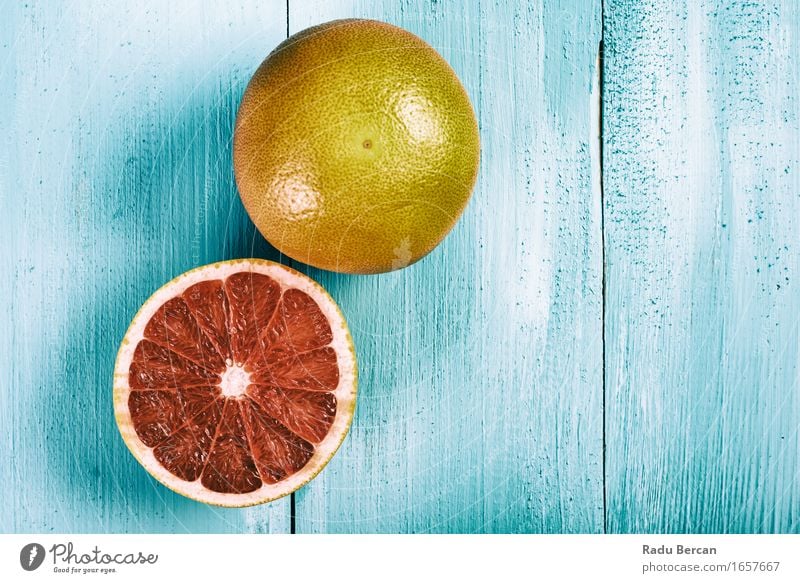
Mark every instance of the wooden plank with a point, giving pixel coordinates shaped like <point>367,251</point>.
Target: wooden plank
<point>116,176</point>
<point>702,175</point>
<point>480,387</point>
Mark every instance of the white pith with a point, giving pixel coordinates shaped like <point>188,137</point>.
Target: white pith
<point>234,381</point>
<point>345,391</point>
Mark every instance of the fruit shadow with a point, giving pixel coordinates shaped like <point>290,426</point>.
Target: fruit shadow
<point>161,198</point>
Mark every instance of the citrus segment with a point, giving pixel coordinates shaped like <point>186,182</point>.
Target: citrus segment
<point>299,326</point>
<point>174,327</point>
<point>252,300</point>
<point>209,305</point>
<point>157,367</point>
<point>277,451</point>
<point>305,413</point>
<point>313,370</point>
<point>157,414</point>
<point>184,453</point>
<point>230,465</point>
<point>236,382</point>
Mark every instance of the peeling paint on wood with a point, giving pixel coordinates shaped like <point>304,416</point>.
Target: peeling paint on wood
<point>702,159</point>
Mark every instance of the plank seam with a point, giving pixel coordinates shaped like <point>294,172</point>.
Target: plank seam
<point>600,137</point>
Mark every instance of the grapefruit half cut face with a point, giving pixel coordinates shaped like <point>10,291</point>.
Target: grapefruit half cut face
<point>236,382</point>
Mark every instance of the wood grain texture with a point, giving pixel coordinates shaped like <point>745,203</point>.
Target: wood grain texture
<point>480,367</point>
<point>115,177</point>
<point>702,208</point>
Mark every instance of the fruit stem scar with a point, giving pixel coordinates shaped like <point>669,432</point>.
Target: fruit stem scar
<point>367,144</point>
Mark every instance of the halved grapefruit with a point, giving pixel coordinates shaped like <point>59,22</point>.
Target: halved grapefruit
<point>236,382</point>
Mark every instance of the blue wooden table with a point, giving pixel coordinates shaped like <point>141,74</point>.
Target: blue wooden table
<point>607,342</point>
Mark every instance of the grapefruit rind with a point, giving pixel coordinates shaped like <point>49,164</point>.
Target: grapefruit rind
<point>359,132</point>
<point>345,391</point>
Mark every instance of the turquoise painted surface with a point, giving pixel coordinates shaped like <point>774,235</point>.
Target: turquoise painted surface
<point>482,367</point>
<point>481,371</point>
<point>702,216</point>
<point>116,176</point>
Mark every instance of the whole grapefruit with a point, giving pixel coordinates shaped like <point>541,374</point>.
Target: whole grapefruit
<point>356,147</point>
